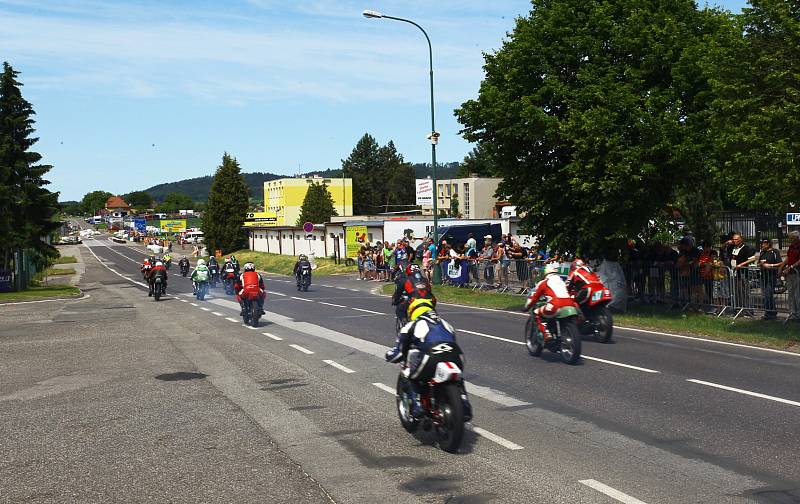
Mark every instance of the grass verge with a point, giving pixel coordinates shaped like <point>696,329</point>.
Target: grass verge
<point>283,265</point>
<point>37,293</point>
<point>65,260</point>
<point>60,271</point>
<point>771,334</point>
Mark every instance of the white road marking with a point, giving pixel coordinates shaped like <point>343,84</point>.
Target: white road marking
<point>250,327</point>
<point>385,388</point>
<point>354,290</point>
<point>328,286</point>
<point>302,299</point>
<point>368,311</point>
<point>497,439</point>
<point>332,304</point>
<point>231,320</point>
<point>205,309</point>
<point>746,392</point>
<point>494,395</point>
<point>193,304</point>
<point>338,366</point>
<point>269,335</point>
<point>611,492</point>
<point>276,293</point>
<point>218,314</point>
<point>183,301</point>
<point>637,368</point>
<point>342,288</point>
<point>490,336</point>
<point>302,349</point>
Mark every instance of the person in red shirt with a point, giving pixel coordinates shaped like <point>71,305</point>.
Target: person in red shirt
<point>157,271</point>
<point>791,269</point>
<point>581,275</point>
<point>250,285</point>
<point>554,292</point>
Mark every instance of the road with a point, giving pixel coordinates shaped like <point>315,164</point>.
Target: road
<point>305,400</point>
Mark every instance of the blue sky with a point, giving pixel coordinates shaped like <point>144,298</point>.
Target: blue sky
<point>130,94</point>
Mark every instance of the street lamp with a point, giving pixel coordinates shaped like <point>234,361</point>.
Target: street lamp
<point>433,136</point>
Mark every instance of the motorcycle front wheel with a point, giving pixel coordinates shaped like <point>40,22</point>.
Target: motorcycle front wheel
<point>532,340</point>
<point>570,339</point>
<point>451,410</point>
<point>604,322</point>
<point>408,422</point>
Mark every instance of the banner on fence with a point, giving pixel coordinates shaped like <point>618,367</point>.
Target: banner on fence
<point>5,281</point>
<point>355,238</point>
<point>252,219</point>
<point>173,225</point>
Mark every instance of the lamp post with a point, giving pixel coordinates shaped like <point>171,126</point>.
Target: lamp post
<point>433,136</point>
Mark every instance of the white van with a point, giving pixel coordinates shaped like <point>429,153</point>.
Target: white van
<point>194,236</point>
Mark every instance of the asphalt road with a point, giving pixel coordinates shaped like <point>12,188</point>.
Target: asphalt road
<point>626,425</point>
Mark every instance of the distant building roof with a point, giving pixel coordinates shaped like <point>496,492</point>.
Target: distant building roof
<point>116,202</point>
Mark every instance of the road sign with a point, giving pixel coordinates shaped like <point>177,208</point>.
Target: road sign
<point>309,237</point>
<point>793,219</point>
<point>308,227</point>
<point>140,225</point>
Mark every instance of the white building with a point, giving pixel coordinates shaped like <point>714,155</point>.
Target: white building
<point>475,196</point>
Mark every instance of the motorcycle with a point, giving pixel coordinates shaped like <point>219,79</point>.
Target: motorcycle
<point>167,262</point>
<point>304,278</point>
<point>442,400</point>
<point>201,290</point>
<point>213,272</point>
<point>228,279</point>
<point>252,311</point>
<point>565,338</point>
<point>158,288</point>
<point>184,268</point>
<point>595,317</point>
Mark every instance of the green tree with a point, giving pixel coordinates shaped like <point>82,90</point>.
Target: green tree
<point>587,113</point>
<point>756,110</point>
<point>94,201</point>
<point>317,205</point>
<point>397,192</point>
<point>361,166</point>
<point>139,200</point>
<point>227,206</point>
<point>454,211</point>
<point>176,201</point>
<point>71,207</point>
<point>28,210</point>
<point>477,162</point>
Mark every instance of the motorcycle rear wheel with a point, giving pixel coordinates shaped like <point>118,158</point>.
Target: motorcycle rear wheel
<point>255,313</point>
<point>532,341</point>
<point>403,403</point>
<point>157,291</point>
<point>451,410</point>
<point>570,341</point>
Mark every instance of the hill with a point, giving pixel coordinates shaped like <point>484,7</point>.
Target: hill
<point>197,188</point>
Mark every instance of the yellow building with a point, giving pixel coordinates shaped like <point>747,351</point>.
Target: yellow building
<point>285,197</point>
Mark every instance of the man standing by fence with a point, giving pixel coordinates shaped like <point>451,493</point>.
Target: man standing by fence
<point>791,269</point>
<point>769,260</point>
<point>741,255</point>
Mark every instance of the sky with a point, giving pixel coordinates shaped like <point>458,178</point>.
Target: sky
<point>130,94</point>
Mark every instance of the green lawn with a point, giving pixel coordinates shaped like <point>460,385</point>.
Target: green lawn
<point>283,265</point>
<point>35,293</point>
<point>60,271</point>
<point>65,260</point>
<point>658,318</point>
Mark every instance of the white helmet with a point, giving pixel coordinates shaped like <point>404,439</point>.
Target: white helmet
<point>159,263</point>
<point>550,269</point>
<point>201,262</point>
<point>249,267</point>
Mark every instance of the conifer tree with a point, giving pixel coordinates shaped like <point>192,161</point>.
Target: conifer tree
<point>317,205</point>
<point>227,206</point>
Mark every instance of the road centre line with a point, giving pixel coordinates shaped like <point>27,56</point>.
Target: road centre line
<point>276,293</point>
<point>250,327</point>
<point>231,319</point>
<point>183,301</point>
<point>193,304</point>
<point>611,492</point>
<point>270,335</point>
<point>205,309</point>
<point>301,349</point>
<point>497,439</point>
<point>745,392</point>
<point>218,314</point>
<point>332,304</point>
<point>302,299</point>
<point>368,311</point>
<point>338,366</point>
<point>385,388</point>
<point>490,336</point>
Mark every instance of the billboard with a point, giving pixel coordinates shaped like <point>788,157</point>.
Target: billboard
<point>424,191</point>
<point>173,225</point>
<point>252,219</point>
<point>355,237</point>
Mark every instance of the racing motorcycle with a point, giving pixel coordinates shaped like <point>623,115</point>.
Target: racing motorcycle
<point>304,278</point>
<point>565,338</point>
<point>228,278</point>
<point>184,265</point>
<point>442,400</point>
<point>595,317</point>
<point>158,288</point>
<point>252,311</point>
<point>213,271</point>
<point>201,290</point>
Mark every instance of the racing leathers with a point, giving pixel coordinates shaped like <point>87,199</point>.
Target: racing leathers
<point>424,343</point>
<point>249,286</point>
<point>553,291</point>
<point>580,278</point>
<point>298,269</point>
<point>410,287</point>
<point>146,267</point>
<point>200,274</point>
<point>157,271</point>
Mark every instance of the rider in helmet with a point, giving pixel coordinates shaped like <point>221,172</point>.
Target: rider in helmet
<point>411,285</point>
<point>553,291</point>
<point>235,264</point>
<point>425,341</point>
<point>147,265</point>
<point>157,271</point>
<point>183,263</point>
<point>302,262</point>
<point>581,275</point>
<point>200,274</point>
<point>250,285</point>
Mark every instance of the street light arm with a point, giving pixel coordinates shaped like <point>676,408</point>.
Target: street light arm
<point>430,47</point>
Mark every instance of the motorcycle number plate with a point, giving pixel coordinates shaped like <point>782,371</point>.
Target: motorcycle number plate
<point>446,371</point>
<point>597,296</point>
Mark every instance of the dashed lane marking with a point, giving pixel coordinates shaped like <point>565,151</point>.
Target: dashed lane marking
<point>611,492</point>
<point>276,293</point>
<point>368,311</point>
<point>302,299</point>
<point>272,336</point>
<point>495,438</point>
<point>231,320</point>
<point>301,349</point>
<point>332,304</point>
<point>746,392</point>
<point>218,314</point>
<point>193,304</point>
<point>385,388</point>
<point>205,309</point>
<point>338,366</point>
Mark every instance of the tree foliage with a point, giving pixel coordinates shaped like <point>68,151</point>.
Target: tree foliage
<point>477,162</point>
<point>317,205</point>
<point>94,201</point>
<point>227,206</point>
<point>176,201</point>
<point>27,209</point>
<point>139,200</point>
<point>588,111</point>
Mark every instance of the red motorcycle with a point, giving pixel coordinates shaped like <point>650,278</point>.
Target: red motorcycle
<point>595,316</point>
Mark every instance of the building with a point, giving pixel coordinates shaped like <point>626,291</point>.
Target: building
<point>116,207</point>
<point>285,196</point>
<point>475,196</point>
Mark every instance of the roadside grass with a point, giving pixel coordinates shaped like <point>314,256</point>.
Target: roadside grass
<point>283,265</point>
<point>60,271</point>
<point>35,293</point>
<point>773,334</point>
<point>65,260</point>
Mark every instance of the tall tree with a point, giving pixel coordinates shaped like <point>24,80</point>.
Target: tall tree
<point>139,200</point>
<point>397,192</point>
<point>227,206</point>
<point>756,111</point>
<point>94,201</point>
<point>175,201</point>
<point>477,162</point>
<point>582,112</point>
<point>317,205</point>
<point>362,166</point>
<point>27,209</point>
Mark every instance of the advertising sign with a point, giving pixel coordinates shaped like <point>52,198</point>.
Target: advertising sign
<point>355,237</point>
<point>424,191</point>
<point>5,281</point>
<point>173,225</point>
<point>252,219</point>
<point>793,219</point>
<point>140,225</point>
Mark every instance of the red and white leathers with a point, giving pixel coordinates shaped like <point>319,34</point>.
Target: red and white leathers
<point>582,276</point>
<point>553,291</point>
<point>250,285</point>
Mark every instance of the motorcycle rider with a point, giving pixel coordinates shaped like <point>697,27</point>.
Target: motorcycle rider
<point>167,260</point>
<point>581,275</point>
<point>302,262</point>
<point>554,292</point>
<point>200,274</point>
<point>235,264</point>
<point>410,285</point>
<point>183,263</point>
<point>228,269</point>
<point>248,284</point>
<point>423,342</point>
<point>157,271</point>
<point>147,265</point>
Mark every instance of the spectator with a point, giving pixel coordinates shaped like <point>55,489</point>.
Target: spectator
<point>485,258</point>
<point>471,255</point>
<point>741,255</point>
<point>401,255</point>
<point>360,258</point>
<point>388,259</point>
<point>519,255</point>
<point>770,262</point>
<point>504,261</point>
<point>791,269</point>
<point>427,262</point>
<point>471,243</point>
<point>706,265</point>
<point>721,290</point>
